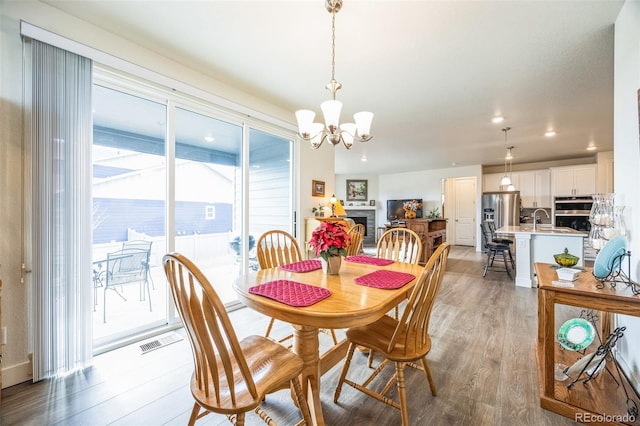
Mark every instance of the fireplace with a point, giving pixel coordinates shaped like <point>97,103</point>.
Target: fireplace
<point>366,217</point>
<point>360,220</point>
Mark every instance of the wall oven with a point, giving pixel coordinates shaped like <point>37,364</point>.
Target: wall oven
<point>573,212</point>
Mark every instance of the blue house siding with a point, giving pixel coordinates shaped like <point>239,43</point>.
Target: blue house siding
<point>114,216</point>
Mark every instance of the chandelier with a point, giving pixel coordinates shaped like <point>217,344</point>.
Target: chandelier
<point>332,130</point>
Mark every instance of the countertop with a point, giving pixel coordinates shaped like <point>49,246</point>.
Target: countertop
<point>540,230</point>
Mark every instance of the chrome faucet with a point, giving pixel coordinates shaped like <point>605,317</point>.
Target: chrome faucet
<point>535,219</point>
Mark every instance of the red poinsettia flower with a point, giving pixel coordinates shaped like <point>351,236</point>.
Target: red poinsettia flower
<point>330,239</point>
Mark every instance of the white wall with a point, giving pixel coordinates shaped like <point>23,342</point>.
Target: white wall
<point>626,147</point>
<point>426,184</point>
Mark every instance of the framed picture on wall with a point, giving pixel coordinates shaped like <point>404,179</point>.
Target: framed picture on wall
<point>356,190</point>
<point>317,188</point>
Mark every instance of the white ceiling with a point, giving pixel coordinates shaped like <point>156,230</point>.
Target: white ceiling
<point>433,72</point>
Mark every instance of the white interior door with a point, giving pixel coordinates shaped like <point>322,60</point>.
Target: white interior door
<point>465,211</point>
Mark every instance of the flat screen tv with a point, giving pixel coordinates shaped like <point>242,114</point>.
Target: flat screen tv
<point>395,210</point>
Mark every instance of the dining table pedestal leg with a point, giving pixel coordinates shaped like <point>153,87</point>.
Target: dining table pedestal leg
<point>307,346</point>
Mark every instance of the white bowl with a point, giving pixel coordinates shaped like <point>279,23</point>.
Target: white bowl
<point>567,274</point>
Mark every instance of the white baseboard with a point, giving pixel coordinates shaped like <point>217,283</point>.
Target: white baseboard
<point>15,374</point>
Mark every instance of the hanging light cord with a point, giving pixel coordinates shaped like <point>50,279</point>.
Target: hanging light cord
<point>333,85</point>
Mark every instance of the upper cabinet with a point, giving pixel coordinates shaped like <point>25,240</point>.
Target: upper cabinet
<point>491,182</point>
<point>573,180</point>
<point>534,188</point>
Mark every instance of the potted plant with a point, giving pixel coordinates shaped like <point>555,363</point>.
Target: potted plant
<point>318,211</point>
<point>330,241</point>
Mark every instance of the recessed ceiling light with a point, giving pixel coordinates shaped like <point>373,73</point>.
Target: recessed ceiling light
<point>497,119</point>
<point>363,159</point>
<point>550,133</point>
<point>453,164</point>
<point>592,148</point>
<point>209,138</point>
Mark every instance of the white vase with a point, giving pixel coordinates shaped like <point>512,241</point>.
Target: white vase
<point>331,266</point>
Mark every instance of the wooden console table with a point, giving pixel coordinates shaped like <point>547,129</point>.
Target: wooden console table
<point>433,233</point>
<point>601,396</point>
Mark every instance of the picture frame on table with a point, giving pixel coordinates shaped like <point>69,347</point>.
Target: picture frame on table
<point>372,203</point>
<point>317,188</point>
<point>357,190</point>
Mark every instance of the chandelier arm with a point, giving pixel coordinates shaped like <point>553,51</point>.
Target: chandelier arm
<point>308,136</point>
<point>346,145</point>
<point>316,146</point>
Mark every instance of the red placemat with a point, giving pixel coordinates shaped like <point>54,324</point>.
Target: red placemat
<point>302,266</point>
<point>291,293</point>
<point>385,279</point>
<point>369,260</point>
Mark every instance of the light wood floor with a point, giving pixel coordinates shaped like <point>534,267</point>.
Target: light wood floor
<point>482,361</point>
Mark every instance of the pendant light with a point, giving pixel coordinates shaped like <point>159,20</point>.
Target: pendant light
<point>506,180</point>
<point>509,157</point>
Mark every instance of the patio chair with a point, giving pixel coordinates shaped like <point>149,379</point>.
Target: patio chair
<point>403,341</point>
<point>141,245</point>
<point>124,267</point>
<point>230,377</point>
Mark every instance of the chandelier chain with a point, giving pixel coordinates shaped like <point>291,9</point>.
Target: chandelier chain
<point>333,50</point>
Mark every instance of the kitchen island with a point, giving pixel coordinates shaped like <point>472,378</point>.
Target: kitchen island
<point>540,246</point>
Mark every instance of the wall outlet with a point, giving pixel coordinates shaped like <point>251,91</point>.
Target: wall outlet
<point>3,336</point>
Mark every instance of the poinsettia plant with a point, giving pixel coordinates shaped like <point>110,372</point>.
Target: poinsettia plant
<point>330,239</point>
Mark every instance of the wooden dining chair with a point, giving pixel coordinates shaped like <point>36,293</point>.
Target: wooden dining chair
<point>401,341</point>
<point>231,377</point>
<point>277,248</point>
<point>356,233</point>
<point>400,245</point>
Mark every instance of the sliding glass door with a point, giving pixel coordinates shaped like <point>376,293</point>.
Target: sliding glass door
<point>176,174</point>
<point>207,191</point>
<point>129,204</point>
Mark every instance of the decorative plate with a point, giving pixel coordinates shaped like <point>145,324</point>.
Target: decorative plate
<point>576,334</point>
<point>606,260</point>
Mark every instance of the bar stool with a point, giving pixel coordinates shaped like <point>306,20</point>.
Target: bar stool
<point>508,241</point>
<point>496,249</point>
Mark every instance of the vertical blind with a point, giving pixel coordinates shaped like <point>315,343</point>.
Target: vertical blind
<point>61,122</point>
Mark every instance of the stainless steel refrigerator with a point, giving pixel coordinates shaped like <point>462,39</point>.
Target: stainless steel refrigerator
<point>503,208</point>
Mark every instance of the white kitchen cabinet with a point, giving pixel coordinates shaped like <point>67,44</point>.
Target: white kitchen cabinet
<point>491,182</point>
<point>534,188</point>
<point>573,180</point>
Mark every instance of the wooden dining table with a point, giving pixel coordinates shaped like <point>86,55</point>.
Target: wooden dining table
<point>349,305</point>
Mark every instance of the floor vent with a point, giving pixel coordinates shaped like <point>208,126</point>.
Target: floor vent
<point>160,342</point>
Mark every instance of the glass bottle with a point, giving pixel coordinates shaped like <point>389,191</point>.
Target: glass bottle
<point>597,236</point>
<point>602,210</point>
<point>618,226</point>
